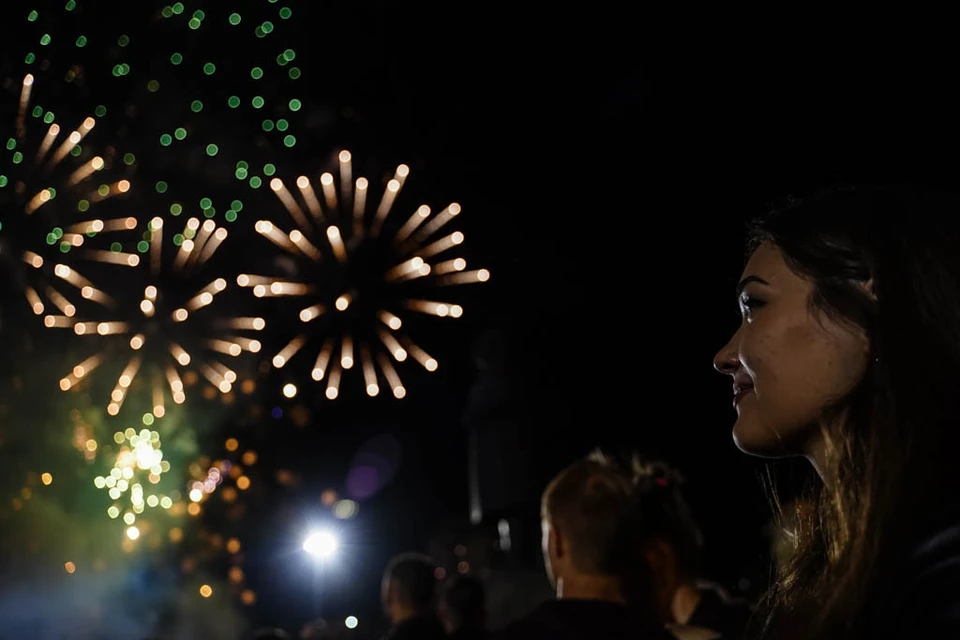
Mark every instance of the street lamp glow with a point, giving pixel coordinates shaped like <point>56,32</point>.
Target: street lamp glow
<point>320,544</point>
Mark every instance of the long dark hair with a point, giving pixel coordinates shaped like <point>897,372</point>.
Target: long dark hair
<point>891,442</point>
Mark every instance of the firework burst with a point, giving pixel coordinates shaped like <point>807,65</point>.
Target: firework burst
<point>163,321</point>
<point>357,275</point>
<point>56,203</point>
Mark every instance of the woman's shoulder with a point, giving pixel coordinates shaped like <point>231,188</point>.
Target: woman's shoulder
<point>924,594</point>
<point>934,558</point>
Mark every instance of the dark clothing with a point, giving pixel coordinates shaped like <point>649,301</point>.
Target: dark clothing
<point>923,600</point>
<point>583,619</point>
<point>470,634</point>
<point>721,613</point>
<point>420,628</point>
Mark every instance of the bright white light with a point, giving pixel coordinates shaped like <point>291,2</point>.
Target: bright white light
<point>321,544</point>
<point>290,390</point>
<point>351,622</point>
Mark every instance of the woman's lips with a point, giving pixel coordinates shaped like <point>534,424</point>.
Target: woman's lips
<point>739,394</point>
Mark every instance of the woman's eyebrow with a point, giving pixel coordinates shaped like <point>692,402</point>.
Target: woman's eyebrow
<point>743,283</point>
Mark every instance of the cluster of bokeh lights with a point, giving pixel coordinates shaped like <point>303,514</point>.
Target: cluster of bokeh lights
<point>137,469</point>
<point>265,86</point>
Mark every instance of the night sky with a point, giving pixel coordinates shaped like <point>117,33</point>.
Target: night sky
<point>605,178</point>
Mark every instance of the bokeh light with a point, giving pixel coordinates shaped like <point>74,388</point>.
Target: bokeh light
<point>345,509</point>
<point>321,544</point>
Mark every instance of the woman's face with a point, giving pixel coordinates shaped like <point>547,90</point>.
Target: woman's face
<point>788,360</point>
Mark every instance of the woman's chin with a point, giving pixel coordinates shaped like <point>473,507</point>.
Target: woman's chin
<point>753,439</point>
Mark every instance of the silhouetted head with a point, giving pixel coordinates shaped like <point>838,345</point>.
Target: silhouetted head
<point>409,587</point>
<point>463,604</point>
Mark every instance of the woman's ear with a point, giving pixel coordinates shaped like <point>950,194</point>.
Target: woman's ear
<point>870,291</point>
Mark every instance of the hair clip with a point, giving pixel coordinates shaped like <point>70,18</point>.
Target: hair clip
<point>656,471</point>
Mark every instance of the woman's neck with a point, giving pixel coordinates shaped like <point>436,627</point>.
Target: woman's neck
<point>816,452</point>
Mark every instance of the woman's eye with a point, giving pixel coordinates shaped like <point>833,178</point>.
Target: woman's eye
<point>750,303</point>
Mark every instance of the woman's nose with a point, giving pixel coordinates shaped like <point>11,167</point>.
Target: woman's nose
<point>726,360</point>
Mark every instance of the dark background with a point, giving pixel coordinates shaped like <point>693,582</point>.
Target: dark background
<point>607,167</point>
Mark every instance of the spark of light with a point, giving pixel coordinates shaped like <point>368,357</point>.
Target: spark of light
<point>449,266</point>
<point>35,303</point>
<point>465,277</point>
<point>391,320</point>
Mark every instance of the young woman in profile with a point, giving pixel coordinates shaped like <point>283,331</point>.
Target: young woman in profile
<point>848,353</point>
